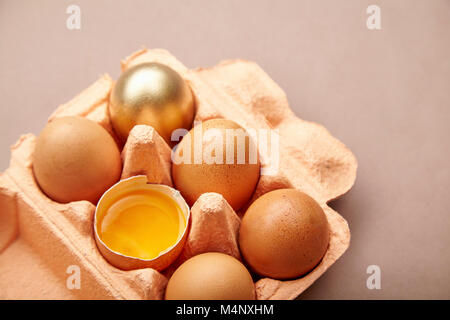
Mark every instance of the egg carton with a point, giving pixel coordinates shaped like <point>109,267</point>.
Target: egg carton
<point>44,244</point>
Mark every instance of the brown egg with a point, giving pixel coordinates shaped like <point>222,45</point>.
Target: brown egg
<point>75,159</point>
<point>284,234</point>
<point>202,164</point>
<point>211,276</point>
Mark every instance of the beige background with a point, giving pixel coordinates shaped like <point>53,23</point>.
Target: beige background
<point>385,94</point>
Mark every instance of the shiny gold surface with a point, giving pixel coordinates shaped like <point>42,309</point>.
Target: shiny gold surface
<point>152,94</point>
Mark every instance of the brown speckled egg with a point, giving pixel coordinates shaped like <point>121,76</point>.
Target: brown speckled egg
<point>75,159</point>
<point>211,276</point>
<point>199,169</point>
<point>284,234</point>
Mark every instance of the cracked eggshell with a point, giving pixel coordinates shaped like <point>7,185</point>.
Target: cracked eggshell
<point>122,261</point>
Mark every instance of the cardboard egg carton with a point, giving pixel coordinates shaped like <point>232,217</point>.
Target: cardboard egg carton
<point>44,244</point>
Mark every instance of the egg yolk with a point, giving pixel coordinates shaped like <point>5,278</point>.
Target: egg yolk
<point>142,224</point>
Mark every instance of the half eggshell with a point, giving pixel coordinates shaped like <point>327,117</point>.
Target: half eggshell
<point>124,262</point>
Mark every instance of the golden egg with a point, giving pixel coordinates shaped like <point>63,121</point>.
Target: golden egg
<point>211,276</point>
<point>284,234</point>
<point>151,94</point>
